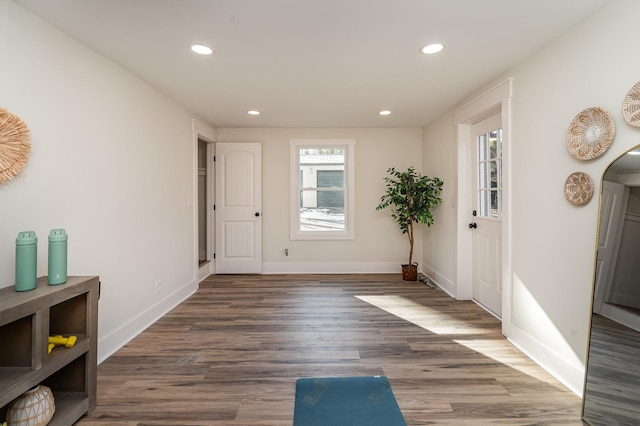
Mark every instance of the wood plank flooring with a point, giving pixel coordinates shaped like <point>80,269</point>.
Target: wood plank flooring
<point>230,355</point>
<point>613,379</point>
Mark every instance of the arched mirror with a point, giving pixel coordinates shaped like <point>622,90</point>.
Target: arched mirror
<point>612,385</point>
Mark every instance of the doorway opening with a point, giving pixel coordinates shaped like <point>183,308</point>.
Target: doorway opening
<point>203,203</point>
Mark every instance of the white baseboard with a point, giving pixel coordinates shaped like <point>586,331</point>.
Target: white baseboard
<point>569,374</point>
<point>205,270</point>
<point>441,281</point>
<point>331,268</point>
<point>110,343</point>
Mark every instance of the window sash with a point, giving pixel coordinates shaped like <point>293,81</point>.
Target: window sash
<point>315,212</point>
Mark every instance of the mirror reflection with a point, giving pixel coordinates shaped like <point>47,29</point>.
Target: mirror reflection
<point>612,385</point>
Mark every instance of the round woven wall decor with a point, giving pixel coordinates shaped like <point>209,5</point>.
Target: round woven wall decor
<point>15,145</point>
<point>578,188</point>
<point>631,106</point>
<point>590,133</point>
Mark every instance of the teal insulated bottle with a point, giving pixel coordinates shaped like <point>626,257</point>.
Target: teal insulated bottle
<point>26,261</point>
<point>57,257</point>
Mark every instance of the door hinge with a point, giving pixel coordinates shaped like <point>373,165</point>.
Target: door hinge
<point>214,255</point>
<point>214,158</point>
<point>214,206</point>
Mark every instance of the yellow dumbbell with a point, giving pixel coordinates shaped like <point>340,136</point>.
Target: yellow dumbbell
<point>67,342</point>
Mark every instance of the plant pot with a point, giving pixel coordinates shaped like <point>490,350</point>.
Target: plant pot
<point>410,272</point>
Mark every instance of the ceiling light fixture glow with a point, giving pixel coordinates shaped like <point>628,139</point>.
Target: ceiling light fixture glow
<point>201,49</point>
<point>432,48</point>
<point>253,112</point>
<point>385,112</point>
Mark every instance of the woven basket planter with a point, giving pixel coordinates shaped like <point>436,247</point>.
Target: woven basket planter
<point>410,272</point>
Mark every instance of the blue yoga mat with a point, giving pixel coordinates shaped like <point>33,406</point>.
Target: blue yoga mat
<point>346,401</point>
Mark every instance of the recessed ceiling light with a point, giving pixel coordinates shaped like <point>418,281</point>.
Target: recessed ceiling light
<point>253,112</point>
<point>385,112</point>
<point>201,49</point>
<point>430,49</point>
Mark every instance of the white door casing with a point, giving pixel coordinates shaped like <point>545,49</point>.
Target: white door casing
<point>487,218</point>
<point>238,208</point>
<point>496,99</point>
<point>201,131</point>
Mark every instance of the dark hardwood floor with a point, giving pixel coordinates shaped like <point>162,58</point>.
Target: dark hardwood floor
<point>230,355</point>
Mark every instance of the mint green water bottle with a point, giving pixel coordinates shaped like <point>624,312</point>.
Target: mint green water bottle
<point>57,257</point>
<point>26,261</point>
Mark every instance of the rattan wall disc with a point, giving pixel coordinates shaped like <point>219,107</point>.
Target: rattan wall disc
<point>578,188</point>
<point>15,145</point>
<point>631,106</point>
<point>590,133</point>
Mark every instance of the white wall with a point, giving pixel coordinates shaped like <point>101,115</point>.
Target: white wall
<point>379,245</point>
<point>111,162</point>
<point>553,242</point>
<point>439,243</point>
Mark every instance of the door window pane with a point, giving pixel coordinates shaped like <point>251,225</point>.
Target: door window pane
<point>490,174</point>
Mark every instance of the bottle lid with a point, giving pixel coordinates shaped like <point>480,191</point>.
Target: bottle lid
<point>57,236</point>
<point>26,238</point>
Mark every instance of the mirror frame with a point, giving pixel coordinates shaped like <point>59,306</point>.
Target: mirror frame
<point>595,271</point>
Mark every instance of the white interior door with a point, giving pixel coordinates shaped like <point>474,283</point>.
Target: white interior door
<point>238,208</point>
<point>486,218</point>
<point>612,210</point>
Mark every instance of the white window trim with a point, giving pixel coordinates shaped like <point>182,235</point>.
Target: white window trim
<point>349,188</point>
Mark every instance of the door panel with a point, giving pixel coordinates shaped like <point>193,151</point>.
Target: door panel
<point>614,205</point>
<point>487,219</point>
<point>238,208</point>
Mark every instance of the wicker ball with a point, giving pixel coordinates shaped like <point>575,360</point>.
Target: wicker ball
<point>35,407</point>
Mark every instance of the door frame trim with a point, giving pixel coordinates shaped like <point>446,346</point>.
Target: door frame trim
<point>495,99</point>
<point>207,133</point>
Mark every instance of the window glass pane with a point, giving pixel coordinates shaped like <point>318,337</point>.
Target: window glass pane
<point>316,161</point>
<point>321,208</point>
<point>482,175</point>
<point>493,144</point>
<point>331,199</point>
<point>483,197</point>
<point>319,219</point>
<point>482,148</point>
<point>490,174</point>
<point>330,178</point>
<point>495,204</point>
<point>494,174</point>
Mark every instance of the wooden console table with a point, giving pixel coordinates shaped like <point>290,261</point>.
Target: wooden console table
<point>26,320</point>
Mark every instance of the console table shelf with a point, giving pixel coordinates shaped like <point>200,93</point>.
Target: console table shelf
<point>26,321</point>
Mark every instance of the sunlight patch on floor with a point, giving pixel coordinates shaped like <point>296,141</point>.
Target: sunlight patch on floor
<point>497,349</point>
<point>422,316</point>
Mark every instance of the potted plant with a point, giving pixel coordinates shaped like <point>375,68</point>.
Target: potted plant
<point>411,198</point>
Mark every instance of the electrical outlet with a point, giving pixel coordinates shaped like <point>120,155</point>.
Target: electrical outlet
<point>158,287</point>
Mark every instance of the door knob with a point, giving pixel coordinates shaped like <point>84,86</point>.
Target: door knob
<point>473,225</point>
<point>257,214</point>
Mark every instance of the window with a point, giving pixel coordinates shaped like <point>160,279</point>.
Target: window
<point>490,174</point>
<point>322,189</point>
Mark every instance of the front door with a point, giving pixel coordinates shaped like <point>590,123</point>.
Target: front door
<point>238,208</point>
<point>486,217</point>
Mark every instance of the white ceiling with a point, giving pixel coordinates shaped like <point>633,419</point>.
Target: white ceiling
<point>315,63</point>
